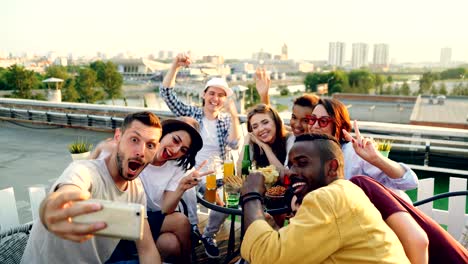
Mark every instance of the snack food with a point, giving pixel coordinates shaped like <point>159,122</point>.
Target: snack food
<point>276,191</point>
<point>234,181</point>
<point>270,173</point>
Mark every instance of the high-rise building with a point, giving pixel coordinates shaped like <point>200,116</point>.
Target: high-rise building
<point>336,53</point>
<point>445,56</point>
<point>284,52</point>
<point>381,55</point>
<point>359,56</point>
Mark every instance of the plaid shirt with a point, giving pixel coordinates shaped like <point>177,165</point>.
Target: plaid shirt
<point>223,120</point>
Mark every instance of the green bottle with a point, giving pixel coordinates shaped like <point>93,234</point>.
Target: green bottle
<point>246,163</point>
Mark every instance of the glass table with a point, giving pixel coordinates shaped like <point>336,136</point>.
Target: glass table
<point>233,212</point>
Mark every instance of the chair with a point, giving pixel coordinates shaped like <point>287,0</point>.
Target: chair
<point>13,242</point>
<point>464,236</point>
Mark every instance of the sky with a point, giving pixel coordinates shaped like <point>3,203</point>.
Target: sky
<point>415,30</point>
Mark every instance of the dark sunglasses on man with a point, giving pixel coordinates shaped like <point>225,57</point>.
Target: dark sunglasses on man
<point>322,121</point>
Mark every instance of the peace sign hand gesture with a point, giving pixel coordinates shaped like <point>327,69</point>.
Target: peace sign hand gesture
<point>193,178</point>
<point>364,147</point>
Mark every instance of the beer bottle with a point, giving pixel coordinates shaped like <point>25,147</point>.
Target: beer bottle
<point>246,163</point>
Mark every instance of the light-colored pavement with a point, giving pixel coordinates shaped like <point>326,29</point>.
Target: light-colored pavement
<point>33,154</point>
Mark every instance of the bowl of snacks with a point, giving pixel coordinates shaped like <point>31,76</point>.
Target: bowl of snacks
<point>274,197</point>
<point>270,173</point>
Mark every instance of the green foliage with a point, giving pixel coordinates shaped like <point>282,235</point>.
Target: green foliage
<point>459,90</point>
<point>442,89</point>
<point>455,73</point>
<point>108,77</point>
<point>405,89</point>
<point>69,92</point>
<point>57,72</point>
<point>86,86</point>
<point>21,81</point>
<point>3,83</point>
<point>283,89</point>
<point>384,145</point>
<point>361,81</point>
<point>145,104</point>
<point>251,96</point>
<point>426,81</point>
<point>79,146</point>
<point>281,107</point>
<point>433,90</point>
<point>337,81</point>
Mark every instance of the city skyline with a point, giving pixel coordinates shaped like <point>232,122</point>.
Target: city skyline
<point>415,30</point>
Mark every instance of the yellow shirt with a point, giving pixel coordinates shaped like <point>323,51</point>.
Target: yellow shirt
<point>335,224</point>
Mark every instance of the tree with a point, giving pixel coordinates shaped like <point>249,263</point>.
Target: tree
<point>86,86</point>
<point>337,81</point>
<point>434,90</point>
<point>405,89</point>
<point>57,72</point>
<point>21,81</point>
<point>252,96</point>
<point>361,81</point>
<point>455,73</point>
<point>425,82</point>
<point>379,82</point>
<point>3,83</point>
<point>283,89</point>
<point>69,92</point>
<point>108,77</point>
<point>312,79</point>
<point>442,89</point>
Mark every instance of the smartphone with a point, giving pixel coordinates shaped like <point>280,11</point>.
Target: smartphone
<point>124,220</point>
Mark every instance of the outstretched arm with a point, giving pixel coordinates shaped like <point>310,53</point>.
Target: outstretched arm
<point>59,207</point>
<point>172,198</point>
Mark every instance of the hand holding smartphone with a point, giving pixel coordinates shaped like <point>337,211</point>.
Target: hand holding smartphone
<point>124,220</point>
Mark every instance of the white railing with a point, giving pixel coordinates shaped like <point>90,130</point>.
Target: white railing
<point>455,218</point>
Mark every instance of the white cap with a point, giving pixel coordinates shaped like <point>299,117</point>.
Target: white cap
<point>219,83</point>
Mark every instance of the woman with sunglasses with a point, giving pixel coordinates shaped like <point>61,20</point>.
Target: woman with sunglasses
<point>361,157</point>
<point>165,180</point>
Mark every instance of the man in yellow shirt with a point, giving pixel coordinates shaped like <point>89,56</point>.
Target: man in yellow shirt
<point>336,222</point>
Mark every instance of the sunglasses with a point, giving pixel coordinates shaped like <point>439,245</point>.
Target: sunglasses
<point>322,121</point>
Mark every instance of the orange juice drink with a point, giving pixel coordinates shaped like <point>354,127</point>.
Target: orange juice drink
<point>210,195</point>
<point>228,168</point>
<point>211,182</point>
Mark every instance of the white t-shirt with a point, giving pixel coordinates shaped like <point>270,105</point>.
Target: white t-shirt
<point>210,141</point>
<point>157,179</point>
<point>93,176</point>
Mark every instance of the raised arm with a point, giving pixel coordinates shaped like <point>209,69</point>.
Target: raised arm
<point>365,148</point>
<point>181,60</point>
<point>262,84</point>
<point>235,130</point>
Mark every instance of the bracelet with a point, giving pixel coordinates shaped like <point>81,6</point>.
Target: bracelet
<point>250,194</point>
<point>251,198</point>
